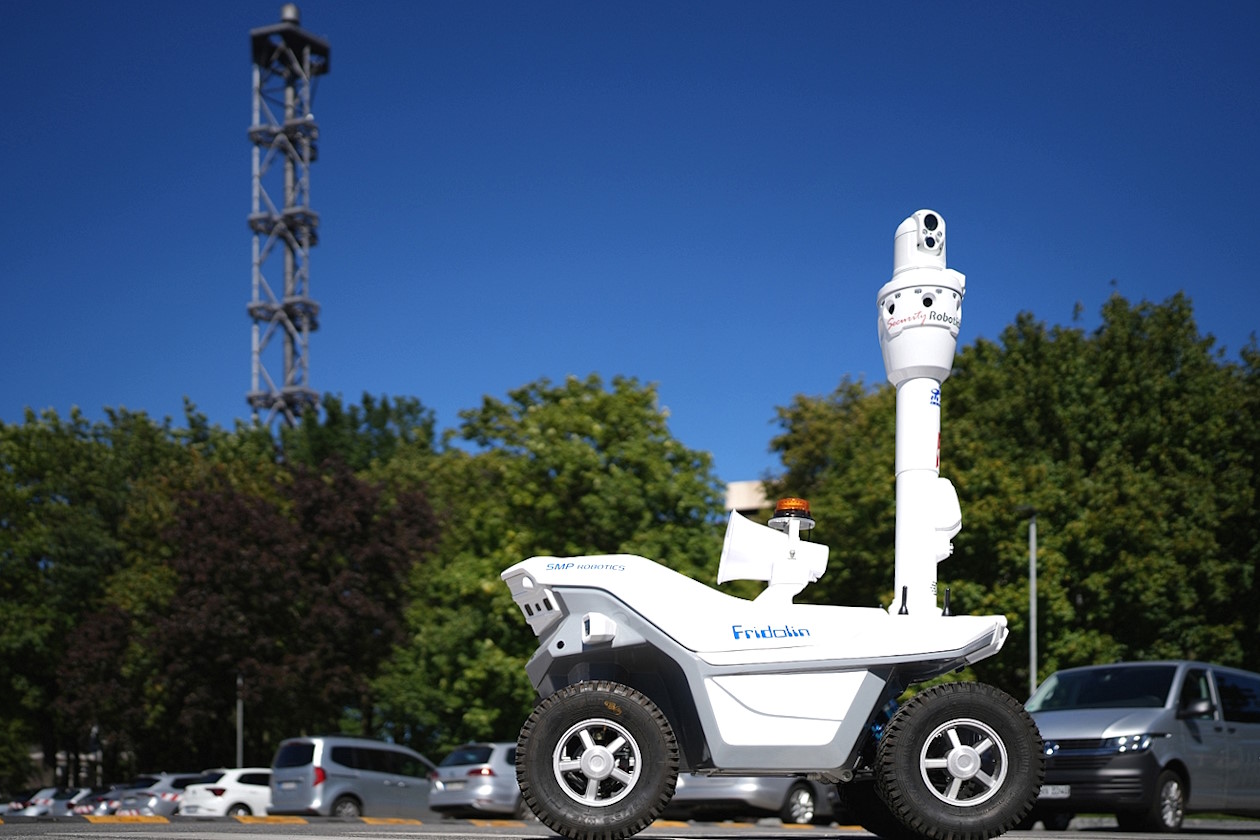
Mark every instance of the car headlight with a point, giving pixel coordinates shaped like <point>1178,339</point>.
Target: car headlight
<point>1133,743</point>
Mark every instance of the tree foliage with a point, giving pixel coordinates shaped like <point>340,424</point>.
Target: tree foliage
<point>299,596</point>
<point>65,485</point>
<point>345,571</point>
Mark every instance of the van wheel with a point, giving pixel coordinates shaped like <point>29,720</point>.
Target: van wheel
<point>1165,813</point>
<point>347,806</point>
<point>960,761</point>
<point>799,807</point>
<point>597,761</point>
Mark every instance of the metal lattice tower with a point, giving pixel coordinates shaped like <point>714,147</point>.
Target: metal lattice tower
<point>287,62</point>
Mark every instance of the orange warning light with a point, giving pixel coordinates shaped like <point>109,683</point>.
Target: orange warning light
<point>791,506</point>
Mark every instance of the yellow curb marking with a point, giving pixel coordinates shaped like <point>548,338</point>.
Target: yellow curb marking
<point>390,821</point>
<point>131,818</point>
<point>277,820</point>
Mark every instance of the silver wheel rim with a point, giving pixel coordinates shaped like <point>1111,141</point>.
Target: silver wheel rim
<point>802,807</point>
<point>1170,803</point>
<point>963,762</point>
<point>597,762</point>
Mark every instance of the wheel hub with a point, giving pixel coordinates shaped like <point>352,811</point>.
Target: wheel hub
<point>963,762</point>
<point>597,762</point>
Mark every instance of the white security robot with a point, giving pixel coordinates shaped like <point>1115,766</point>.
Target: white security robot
<point>644,673</point>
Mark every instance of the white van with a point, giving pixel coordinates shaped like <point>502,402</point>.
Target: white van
<point>1149,742</point>
<point>339,776</point>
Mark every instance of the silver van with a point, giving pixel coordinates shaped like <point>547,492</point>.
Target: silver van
<point>335,775</point>
<point>1149,742</point>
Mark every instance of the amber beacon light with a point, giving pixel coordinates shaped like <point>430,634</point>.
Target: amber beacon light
<point>791,509</point>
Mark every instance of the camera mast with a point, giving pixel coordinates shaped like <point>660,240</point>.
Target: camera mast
<point>287,62</point>
<point>920,312</point>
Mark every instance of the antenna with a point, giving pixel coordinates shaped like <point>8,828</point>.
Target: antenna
<point>287,61</point>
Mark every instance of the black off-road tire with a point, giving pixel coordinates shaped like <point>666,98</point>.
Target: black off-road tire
<point>960,761</point>
<point>597,761</point>
<point>1166,811</point>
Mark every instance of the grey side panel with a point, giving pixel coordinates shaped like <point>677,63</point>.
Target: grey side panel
<point>640,654</point>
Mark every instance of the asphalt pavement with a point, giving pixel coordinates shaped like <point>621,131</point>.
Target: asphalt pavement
<point>267,828</point>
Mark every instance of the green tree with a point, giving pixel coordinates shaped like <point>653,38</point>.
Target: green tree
<point>359,435</point>
<point>64,490</point>
<point>299,595</point>
<point>555,469</point>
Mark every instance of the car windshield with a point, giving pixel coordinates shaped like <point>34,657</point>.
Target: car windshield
<point>1134,686</point>
<point>468,755</point>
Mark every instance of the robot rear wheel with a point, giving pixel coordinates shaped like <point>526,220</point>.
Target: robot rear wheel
<point>597,761</point>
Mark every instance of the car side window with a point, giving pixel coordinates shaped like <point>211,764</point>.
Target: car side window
<point>414,767</point>
<point>388,761</point>
<point>357,758</point>
<point>261,779</point>
<point>374,760</point>
<point>1196,688</point>
<point>1240,697</point>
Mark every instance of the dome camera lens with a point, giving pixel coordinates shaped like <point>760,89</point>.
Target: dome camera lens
<point>931,222</point>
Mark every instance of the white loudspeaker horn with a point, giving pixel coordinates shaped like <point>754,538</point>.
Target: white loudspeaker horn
<point>752,552</point>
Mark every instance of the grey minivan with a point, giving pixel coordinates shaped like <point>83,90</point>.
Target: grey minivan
<point>336,775</point>
<point>1149,742</point>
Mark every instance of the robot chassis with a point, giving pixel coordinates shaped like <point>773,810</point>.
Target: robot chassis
<point>644,673</point>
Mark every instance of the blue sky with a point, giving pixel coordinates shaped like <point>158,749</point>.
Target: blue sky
<point>701,195</point>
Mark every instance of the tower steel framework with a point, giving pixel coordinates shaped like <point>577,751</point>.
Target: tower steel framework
<point>287,62</point>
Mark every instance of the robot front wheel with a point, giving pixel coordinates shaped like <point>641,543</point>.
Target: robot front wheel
<point>597,761</point>
<point>959,761</point>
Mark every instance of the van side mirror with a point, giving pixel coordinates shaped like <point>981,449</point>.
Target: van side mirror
<point>1195,709</point>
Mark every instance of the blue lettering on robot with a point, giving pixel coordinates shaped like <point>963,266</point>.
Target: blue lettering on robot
<point>741,632</point>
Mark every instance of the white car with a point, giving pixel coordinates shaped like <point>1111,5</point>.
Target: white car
<point>240,792</point>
